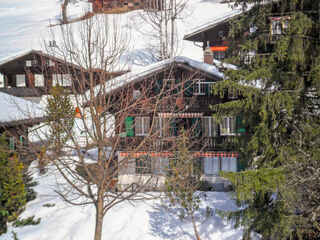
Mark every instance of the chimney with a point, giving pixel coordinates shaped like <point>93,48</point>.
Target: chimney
<point>208,55</point>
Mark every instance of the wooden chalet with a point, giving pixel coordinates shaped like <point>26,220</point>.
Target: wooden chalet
<point>191,100</point>
<point>30,74</point>
<point>214,35</point>
<point>112,6</point>
<point>16,117</point>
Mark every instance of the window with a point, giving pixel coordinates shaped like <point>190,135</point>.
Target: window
<point>229,164</point>
<point>160,165</point>
<point>227,126</point>
<point>50,63</point>
<point>66,80</point>
<point>2,81</point>
<point>34,63</point>
<point>209,127</point>
<point>39,80</point>
<point>200,88</point>
<point>142,126</point>
<point>232,93</point>
<point>219,55</point>
<point>143,165</point>
<point>28,63</point>
<point>136,94</point>
<point>211,165</point>
<point>62,80</point>
<point>21,80</point>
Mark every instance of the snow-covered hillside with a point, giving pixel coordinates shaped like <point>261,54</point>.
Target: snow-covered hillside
<point>24,24</point>
<point>127,221</point>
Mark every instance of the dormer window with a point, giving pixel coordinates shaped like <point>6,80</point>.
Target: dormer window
<point>136,94</point>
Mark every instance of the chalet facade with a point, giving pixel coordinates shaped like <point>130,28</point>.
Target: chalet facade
<point>214,36</point>
<point>112,6</point>
<point>16,117</point>
<point>30,75</point>
<point>191,100</point>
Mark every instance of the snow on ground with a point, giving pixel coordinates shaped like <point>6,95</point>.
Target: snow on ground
<point>135,221</point>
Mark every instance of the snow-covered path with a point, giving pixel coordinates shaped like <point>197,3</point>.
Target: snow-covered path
<point>135,221</point>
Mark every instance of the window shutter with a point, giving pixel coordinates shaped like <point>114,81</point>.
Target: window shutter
<point>188,88</point>
<point>129,126</point>
<point>196,127</point>
<point>240,126</point>
<point>21,140</point>
<point>11,143</point>
<point>158,86</point>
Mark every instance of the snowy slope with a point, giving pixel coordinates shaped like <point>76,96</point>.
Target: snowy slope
<point>127,221</point>
<point>24,25</point>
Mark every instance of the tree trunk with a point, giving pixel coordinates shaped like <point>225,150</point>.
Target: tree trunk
<point>195,228</point>
<point>64,6</point>
<point>99,219</point>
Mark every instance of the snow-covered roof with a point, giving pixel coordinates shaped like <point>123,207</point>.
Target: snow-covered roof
<point>22,53</point>
<point>154,68</point>
<point>14,109</point>
<point>211,23</point>
<point>15,55</point>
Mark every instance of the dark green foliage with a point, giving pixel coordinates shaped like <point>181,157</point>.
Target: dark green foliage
<point>29,185</point>
<point>12,188</point>
<point>281,184</point>
<point>26,222</point>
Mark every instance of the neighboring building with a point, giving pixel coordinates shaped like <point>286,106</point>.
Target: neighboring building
<point>30,74</point>
<point>16,116</point>
<point>105,6</point>
<point>214,35</point>
<point>192,111</point>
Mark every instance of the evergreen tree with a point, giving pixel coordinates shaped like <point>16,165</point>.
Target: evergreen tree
<point>12,188</point>
<point>280,108</point>
<point>60,114</point>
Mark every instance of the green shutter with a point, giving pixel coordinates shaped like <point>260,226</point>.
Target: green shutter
<point>188,88</point>
<point>208,89</point>
<point>196,127</point>
<point>241,165</point>
<point>240,126</point>
<point>21,140</point>
<point>173,127</point>
<point>129,126</point>
<point>158,86</point>
<point>11,143</point>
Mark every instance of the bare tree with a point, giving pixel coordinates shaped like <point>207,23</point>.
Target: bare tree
<point>161,17</point>
<point>88,157</point>
<point>64,8</point>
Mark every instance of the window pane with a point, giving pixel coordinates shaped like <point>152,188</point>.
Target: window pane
<point>165,127</point>
<point>21,80</point>
<point>156,126</point>
<point>205,126</point>
<point>39,80</point>
<point>232,125</point>
<point>138,126</point>
<point>28,63</point>
<point>143,165</point>
<point>224,126</point>
<point>66,80</point>
<point>146,125</point>
<point>1,81</point>
<point>56,79</point>
<point>233,164</point>
<point>225,164</point>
